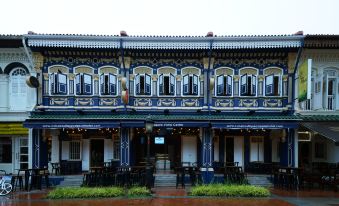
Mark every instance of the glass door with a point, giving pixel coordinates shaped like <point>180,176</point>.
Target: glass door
<point>21,153</point>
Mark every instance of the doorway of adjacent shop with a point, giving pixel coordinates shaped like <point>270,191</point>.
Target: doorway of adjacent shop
<point>97,152</point>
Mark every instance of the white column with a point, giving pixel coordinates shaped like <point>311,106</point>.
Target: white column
<point>296,148</point>
<point>216,148</point>
<point>108,150</point>
<point>4,92</point>
<point>30,148</point>
<point>239,150</point>
<point>85,154</point>
<point>55,146</point>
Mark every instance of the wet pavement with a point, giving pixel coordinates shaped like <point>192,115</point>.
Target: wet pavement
<point>178,197</point>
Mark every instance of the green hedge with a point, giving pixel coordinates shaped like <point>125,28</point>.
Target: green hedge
<point>95,192</point>
<point>221,190</point>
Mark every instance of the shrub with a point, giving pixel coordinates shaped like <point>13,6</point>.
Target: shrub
<point>221,190</point>
<point>138,191</point>
<point>85,192</point>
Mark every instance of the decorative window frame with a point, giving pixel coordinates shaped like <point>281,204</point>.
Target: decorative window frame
<point>224,71</point>
<point>255,74</point>
<point>106,71</point>
<point>144,73</point>
<point>167,73</point>
<point>82,74</point>
<point>275,72</point>
<point>191,74</point>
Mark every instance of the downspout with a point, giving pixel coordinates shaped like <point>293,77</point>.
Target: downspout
<point>30,59</point>
<point>123,66</point>
<point>295,70</point>
<point>208,77</point>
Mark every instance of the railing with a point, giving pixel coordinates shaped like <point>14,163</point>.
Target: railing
<point>330,102</point>
<point>306,105</point>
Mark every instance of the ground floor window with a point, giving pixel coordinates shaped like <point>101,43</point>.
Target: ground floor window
<point>74,150</point>
<point>5,150</point>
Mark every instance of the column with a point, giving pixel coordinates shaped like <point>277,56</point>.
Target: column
<point>296,148</point>
<point>35,148</point>
<point>124,147</point>
<point>55,146</point>
<point>287,158</point>
<point>207,170</point>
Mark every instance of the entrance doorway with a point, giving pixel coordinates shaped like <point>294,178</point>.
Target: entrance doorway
<point>229,149</point>
<point>97,152</point>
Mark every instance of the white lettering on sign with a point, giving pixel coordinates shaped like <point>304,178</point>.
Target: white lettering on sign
<point>168,125</point>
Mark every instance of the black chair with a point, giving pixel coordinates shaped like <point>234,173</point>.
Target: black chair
<point>55,168</point>
<point>180,179</point>
<point>18,178</point>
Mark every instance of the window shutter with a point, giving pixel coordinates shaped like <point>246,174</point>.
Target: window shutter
<point>77,84</point>
<point>147,84</point>
<point>220,85</point>
<point>254,85</point>
<point>229,85</point>
<point>62,83</point>
<point>102,84</point>
<point>185,84</point>
<point>243,85</point>
<point>87,84</point>
<point>52,80</point>
<point>269,84</point>
<point>161,84</point>
<point>137,84</point>
<point>172,83</point>
<point>195,84</point>
<point>112,84</point>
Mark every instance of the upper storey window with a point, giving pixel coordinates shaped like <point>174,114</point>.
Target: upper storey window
<point>58,80</point>
<point>224,81</point>
<point>166,81</point>
<point>58,83</point>
<point>83,81</point>
<point>190,81</point>
<point>273,81</point>
<point>108,81</point>
<point>143,84</point>
<point>248,85</point>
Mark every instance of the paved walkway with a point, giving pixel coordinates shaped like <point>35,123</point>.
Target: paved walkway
<point>178,197</point>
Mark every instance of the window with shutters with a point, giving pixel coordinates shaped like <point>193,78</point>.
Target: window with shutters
<point>166,84</point>
<point>190,84</point>
<point>18,89</point>
<point>272,85</point>
<point>248,85</point>
<point>83,84</point>
<point>224,85</point>
<point>58,83</point>
<point>143,84</point>
<point>108,84</point>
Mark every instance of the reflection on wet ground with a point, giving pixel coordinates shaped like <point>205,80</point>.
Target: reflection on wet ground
<point>178,197</point>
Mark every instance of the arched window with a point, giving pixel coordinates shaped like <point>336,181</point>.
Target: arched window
<point>190,81</point>
<point>18,89</point>
<point>108,81</point>
<point>83,80</point>
<point>143,81</point>
<point>273,81</point>
<point>248,81</point>
<point>166,81</point>
<point>224,81</point>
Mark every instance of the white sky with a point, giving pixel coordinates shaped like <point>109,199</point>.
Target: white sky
<point>171,17</point>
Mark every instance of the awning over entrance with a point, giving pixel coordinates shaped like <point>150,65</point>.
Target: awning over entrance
<point>12,128</point>
<point>329,130</point>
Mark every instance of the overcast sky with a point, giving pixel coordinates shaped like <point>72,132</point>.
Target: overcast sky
<point>171,17</point>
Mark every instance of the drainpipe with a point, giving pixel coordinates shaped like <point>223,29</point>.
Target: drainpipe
<point>122,57</point>
<point>208,77</point>
<point>30,59</point>
<point>295,70</point>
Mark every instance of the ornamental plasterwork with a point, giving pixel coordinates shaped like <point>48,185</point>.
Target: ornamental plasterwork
<point>201,78</point>
<point>127,61</point>
<point>272,103</point>
<point>248,71</point>
<point>131,77</point>
<point>156,62</point>
<point>46,76</point>
<point>224,103</point>
<point>108,102</point>
<point>154,77</point>
<point>56,69</point>
<point>83,70</point>
<point>223,71</point>
<point>142,70</point>
<point>257,61</point>
<point>38,60</point>
<point>96,77</point>
<point>190,103</point>
<point>261,78</point>
<point>166,102</point>
<point>319,56</point>
<point>71,76</point>
<point>106,70</point>
<point>83,101</point>
<point>248,103</point>
<point>190,71</point>
<point>236,78</point>
<point>276,71</point>
<point>285,78</point>
<point>142,102</point>
<point>59,101</point>
<point>206,61</point>
<point>167,70</point>
<point>13,55</point>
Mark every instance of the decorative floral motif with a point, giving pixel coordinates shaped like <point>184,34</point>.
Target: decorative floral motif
<point>224,103</point>
<point>143,102</point>
<point>83,102</point>
<point>190,103</point>
<point>108,102</point>
<point>248,103</point>
<point>59,101</point>
<point>166,102</point>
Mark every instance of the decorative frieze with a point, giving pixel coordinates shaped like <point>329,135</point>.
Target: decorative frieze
<point>143,102</point>
<point>272,103</point>
<point>248,103</point>
<point>166,102</point>
<point>190,103</point>
<point>224,103</point>
<point>59,101</point>
<point>83,102</point>
<point>108,102</point>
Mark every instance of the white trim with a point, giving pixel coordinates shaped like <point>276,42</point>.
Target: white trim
<point>199,82</point>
